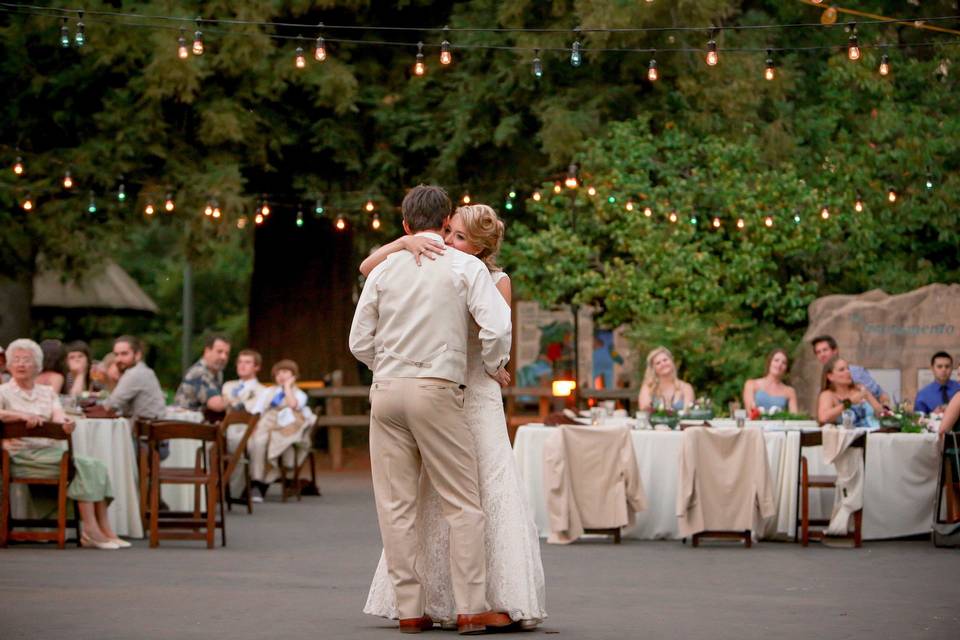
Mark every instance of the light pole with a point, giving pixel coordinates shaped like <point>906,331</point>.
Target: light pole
<point>572,182</point>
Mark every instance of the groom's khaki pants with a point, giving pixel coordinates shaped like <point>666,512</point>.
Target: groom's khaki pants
<point>414,420</point>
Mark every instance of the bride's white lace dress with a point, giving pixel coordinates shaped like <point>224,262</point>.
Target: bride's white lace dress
<point>514,571</point>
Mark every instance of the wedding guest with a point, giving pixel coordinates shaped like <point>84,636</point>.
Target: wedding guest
<point>138,393</point>
<point>4,374</point>
<point>78,378</point>
<point>23,398</point>
<point>284,418</point>
<point>105,373</point>
<point>825,348</point>
<point>839,393</point>
<point>662,388</point>
<point>51,373</point>
<point>244,392</point>
<point>770,390</point>
<point>951,415</point>
<point>202,384</point>
<point>934,397</point>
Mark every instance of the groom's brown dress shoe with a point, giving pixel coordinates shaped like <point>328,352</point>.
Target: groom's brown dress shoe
<point>487,622</point>
<point>416,625</point>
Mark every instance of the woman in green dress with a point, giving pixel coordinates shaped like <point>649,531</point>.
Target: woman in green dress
<point>22,398</point>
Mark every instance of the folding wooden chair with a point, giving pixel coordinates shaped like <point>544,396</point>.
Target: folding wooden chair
<point>290,476</point>
<point>18,429</point>
<point>208,473</point>
<point>806,482</point>
<point>946,527</point>
<point>230,460</point>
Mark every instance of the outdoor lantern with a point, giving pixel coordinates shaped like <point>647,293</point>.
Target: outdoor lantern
<point>563,388</point>
<point>712,56</point>
<point>652,74</point>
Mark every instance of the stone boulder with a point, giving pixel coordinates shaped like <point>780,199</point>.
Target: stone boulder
<point>894,333</point>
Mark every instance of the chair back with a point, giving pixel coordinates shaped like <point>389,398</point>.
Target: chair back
<point>158,430</point>
<point>18,429</point>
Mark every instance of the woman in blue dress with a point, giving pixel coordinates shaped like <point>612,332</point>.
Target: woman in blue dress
<point>840,393</point>
<point>662,388</point>
<point>770,391</point>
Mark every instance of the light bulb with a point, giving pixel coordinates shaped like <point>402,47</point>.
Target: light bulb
<point>740,223</point>
<point>537,65</point>
<point>768,221</point>
<point>652,74</point>
<point>198,43</point>
<point>693,220</point>
<point>770,72</point>
<point>318,207</point>
<point>825,212</point>
<point>299,217</point>
<point>208,211</point>
<point>536,196</point>
<point>148,209</point>
<point>242,222</point>
<point>300,61</point>
<point>419,67</point>
<point>67,181</point>
<point>446,57</point>
<point>92,207</point>
<point>18,166</point>
<point>796,218</point>
<point>571,182</point>
<point>716,223</point>
<point>27,203</point>
<point>169,204</point>
<point>853,48</point>
<point>341,223</point>
<point>712,56</point>
<point>929,182</point>
<point>64,35</point>
<point>320,50</point>
<point>80,37</point>
<point>216,213</point>
<point>369,206</point>
<point>884,65</point>
<point>629,205</point>
<point>466,198</point>
<point>508,205</point>
<point>265,209</point>
<point>576,54</point>
<point>858,204</point>
<point>612,199</point>
<point>647,212</point>
<point>258,219</point>
<point>557,187</point>
<point>673,216</point>
<point>375,222</point>
<point>182,52</point>
<point>591,190</point>
<point>891,195</point>
<point>121,193</point>
<point>512,193</point>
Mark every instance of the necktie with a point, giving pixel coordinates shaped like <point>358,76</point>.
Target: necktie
<point>943,394</point>
<point>237,390</point>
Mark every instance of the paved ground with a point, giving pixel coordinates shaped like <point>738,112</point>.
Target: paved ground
<point>301,571</point>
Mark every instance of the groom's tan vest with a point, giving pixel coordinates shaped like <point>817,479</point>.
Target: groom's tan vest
<point>422,330</point>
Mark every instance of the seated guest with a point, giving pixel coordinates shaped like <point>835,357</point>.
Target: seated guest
<point>138,393</point>
<point>934,397</point>
<point>4,375</point>
<point>840,393</point>
<point>661,388</point>
<point>201,384</point>
<point>24,399</point>
<point>951,415</point>
<point>825,348</point>
<point>770,391</point>
<point>284,419</point>
<point>105,373</point>
<point>244,392</point>
<point>52,371</point>
<point>78,379</point>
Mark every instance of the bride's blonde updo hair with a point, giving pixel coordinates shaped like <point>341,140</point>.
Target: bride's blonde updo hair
<point>483,229</point>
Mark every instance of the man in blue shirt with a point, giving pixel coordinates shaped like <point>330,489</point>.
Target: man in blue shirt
<point>935,396</point>
<point>825,347</point>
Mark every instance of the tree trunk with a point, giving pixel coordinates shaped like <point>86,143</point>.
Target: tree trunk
<point>16,295</point>
<point>302,296</point>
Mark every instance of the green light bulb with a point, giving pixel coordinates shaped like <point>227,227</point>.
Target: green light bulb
<point>612,200</point>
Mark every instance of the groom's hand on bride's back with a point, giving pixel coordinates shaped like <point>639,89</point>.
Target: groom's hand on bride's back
<point>502,376</point>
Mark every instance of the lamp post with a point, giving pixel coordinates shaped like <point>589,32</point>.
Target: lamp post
<point>572,182</point>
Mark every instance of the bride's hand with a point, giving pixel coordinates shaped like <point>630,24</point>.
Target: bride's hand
<point>422,247</point>
<point>502,376</point>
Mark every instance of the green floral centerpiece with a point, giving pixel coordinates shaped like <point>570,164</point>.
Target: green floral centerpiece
<point>702,409</point>
<point>786,415</point>
<point>906,422</point>
<point>668,417</point>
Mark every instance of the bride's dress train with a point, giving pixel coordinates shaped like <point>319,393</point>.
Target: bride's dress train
<point>515,581</point>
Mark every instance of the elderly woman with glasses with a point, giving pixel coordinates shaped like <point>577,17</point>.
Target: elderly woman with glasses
<point>23,398</point>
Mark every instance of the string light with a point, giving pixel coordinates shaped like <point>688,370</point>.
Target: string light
<point>27,203</point>
<point>673,216</point>
<point>612,199</point>
<point>80,36</point>
<point>64,34</point>
<point>929,182</point>
<point>67,181</point>
<point>208,210</point>
<point>770,72</point>
<point>647,212</point>
<point>576,49</point>
<point>121,191</point>
<point>242,222</point>
<point>318,207</point>
<point>258,219</point>
<point>512,193</point>
<point>858,204</point>
<point>884,65</point>
<point>557,187</point>
<point>693,220</point>
<point>182,52</point>
<point>629,205</point>
<point>768,221</point>
<point>853,47</point>
<point>148,209</point>
<point>265,209</point>
<point>466,198</point>
<point>891,195</point>
<point>18,166</point>
<point>537,65</point>
<point>300,60</point>
<point>419,67</point>
<point>571,181</point>
<point>92,207</point>
<point>446,57</point>
<point>716,222</point>
<point>591,191</point>
<point>796,218</point>
<point>536,196</point>
<point>299,216</point>
<point>198,41</point>
<point>169,205</point>
<point>341,224</point>
<point>320,49</point>
<point>508,205</point>
<point>740,223</point>
<point>369,206</point>
<point>712,56</point>
<point>825,212</point>
<point>652,74</point>
<point>375,222</point>
<point>216,213</point>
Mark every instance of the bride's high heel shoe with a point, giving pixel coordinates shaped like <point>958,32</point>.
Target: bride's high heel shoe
<point>87,541</point>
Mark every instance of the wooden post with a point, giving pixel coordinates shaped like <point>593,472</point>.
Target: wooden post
<point>335,434</point>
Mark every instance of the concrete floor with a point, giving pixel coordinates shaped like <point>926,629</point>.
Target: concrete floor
<point>302,571</point>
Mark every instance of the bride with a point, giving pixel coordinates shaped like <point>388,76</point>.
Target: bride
<point>515,582</point>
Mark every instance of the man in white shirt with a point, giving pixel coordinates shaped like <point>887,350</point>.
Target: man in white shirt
<point>244,392</point>
<point>410,328</point>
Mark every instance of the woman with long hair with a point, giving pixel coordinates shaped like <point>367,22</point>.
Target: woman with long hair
<point>662,388</point>
<point>771,391</point>
<point>51,374</point>
<point>79,363</point>
<point>839,393</point>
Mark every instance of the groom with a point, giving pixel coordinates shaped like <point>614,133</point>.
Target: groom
<point>410,328</point>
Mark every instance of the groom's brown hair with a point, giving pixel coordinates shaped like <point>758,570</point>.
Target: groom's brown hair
<point>426,207</point>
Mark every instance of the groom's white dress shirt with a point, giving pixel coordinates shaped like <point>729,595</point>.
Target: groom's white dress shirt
<point>412,321</point>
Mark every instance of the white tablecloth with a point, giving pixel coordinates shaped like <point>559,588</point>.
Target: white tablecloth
<point>901,480</point>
